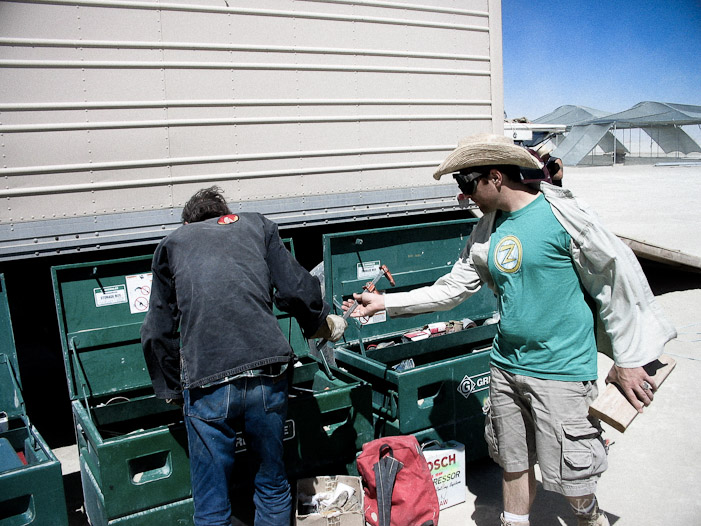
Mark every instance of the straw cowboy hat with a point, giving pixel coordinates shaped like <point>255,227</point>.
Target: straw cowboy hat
<point>485,149</point>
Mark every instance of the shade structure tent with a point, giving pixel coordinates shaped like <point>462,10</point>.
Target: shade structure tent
<point>588,128</point>
<point>582,138</point>
<point>571,115</point>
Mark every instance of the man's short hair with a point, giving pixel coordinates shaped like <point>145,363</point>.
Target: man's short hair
<point>509,170</point>
<point>205,204</point>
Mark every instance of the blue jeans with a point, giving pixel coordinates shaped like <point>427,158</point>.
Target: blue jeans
<point>261,404</point>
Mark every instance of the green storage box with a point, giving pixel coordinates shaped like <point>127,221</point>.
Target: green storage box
<point>31,483</point>
<point>133,446</point>
<point>446,384</point>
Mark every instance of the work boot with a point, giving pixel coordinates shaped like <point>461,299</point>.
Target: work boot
<point>504,522</point>
<point>595,518</point>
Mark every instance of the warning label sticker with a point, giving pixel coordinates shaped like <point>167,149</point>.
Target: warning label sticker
<point>375,318</point>
<point>139,290</point>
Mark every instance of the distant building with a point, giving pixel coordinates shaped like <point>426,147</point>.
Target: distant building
<point>646,133</point>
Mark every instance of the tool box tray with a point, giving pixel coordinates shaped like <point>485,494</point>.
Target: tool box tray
<point>132,446</point>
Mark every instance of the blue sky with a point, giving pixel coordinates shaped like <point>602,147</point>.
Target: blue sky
<point>607,55</point>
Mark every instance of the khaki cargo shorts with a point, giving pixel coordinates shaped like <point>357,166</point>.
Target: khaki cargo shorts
<point>545,421</point>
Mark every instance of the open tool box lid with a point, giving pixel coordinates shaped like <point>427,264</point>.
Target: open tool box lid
<point>101,306</point>
<point>436,381</point>
<point>11,401</point>
<point>415,255</point>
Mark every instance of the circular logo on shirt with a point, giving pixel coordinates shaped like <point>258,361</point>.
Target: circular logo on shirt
<point>228,219</point>
<point>507,254</point>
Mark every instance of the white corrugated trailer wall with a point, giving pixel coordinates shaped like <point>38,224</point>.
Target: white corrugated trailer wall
<point>112,113</point>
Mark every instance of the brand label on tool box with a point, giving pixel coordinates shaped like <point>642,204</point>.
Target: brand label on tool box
<point>110,295</point>
<point>367,269</point>
<point>473,384</point>
<point>287,434</point>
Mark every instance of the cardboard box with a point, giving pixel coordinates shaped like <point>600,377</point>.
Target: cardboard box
<point>447,464</point>
<point>312,486</point>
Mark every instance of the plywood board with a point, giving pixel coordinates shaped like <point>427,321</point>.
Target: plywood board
<point>614,408</point>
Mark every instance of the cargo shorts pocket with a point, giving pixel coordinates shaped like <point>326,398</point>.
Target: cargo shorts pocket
<point>489,434</point>
<point>583,451</point>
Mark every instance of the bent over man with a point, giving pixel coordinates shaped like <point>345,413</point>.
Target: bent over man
<point>213,344</point>
<point>543,252</point>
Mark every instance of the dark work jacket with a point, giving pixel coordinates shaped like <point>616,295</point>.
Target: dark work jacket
<point>211,308</point>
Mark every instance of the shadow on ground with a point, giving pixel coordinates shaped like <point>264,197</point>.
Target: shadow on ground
<point>665,278</point>
<point>483,480</point>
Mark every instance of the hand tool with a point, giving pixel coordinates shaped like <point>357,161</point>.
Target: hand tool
<point>324,348</point>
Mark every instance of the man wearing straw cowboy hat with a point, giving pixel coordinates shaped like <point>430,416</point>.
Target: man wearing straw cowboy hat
<point>542,251</point>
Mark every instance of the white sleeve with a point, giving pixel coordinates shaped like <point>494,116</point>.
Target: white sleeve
<point>447,292</point>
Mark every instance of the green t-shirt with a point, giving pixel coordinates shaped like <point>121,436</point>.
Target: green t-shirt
<point>546,328</point>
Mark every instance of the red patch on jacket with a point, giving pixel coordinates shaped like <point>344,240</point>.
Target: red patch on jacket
<point>227,219</point>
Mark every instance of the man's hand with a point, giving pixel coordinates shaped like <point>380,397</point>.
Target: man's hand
<point>332,329</point>
<point>368,304</point>
<point>637,385</point>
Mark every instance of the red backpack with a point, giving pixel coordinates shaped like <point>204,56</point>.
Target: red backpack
<point>397,482</point>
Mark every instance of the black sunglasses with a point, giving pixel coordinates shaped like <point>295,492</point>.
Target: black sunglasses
<point>467,181</point>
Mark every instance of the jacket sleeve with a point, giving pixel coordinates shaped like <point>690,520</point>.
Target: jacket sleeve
<point>159,333</point>
<point>297,292</point>
<point>631,327</point>
<point>635,328</point>
<point>449,290</point>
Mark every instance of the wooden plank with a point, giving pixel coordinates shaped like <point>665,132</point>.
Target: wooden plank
<point>642,249</point>
<point>613,407</point>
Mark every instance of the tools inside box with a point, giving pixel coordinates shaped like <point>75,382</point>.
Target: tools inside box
<point>309,379</point>
<point>20,447</point>
<point>12,457</point>
<point>438,341</point>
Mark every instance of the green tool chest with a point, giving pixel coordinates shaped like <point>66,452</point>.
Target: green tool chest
<point>436,386</point>
<point>31,484</point>
<point>133,446</point>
